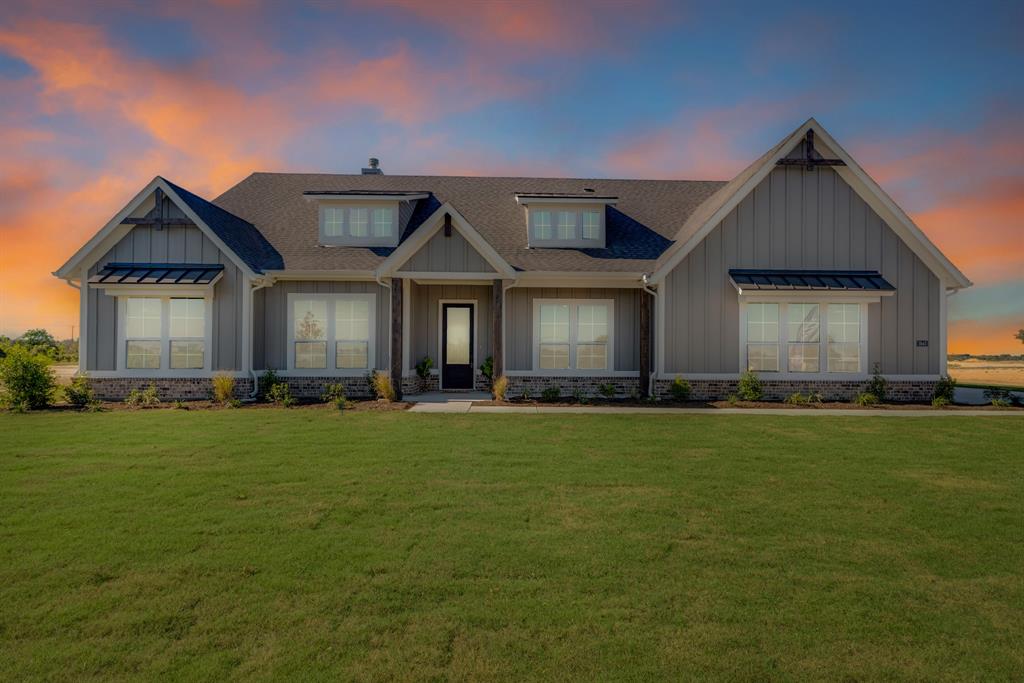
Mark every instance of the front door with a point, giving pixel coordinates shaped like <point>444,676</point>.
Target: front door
<point>457,346</point>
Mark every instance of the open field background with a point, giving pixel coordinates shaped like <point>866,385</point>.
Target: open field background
<point>1004,373</point>
<point>318,545</point>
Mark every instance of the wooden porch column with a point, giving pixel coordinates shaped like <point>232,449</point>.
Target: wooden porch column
<point>497,313</point>
<point>396,336</point>
<point>645,343</point>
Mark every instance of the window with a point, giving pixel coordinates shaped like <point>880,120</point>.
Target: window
<point>803,335</point>
<point>358,221</point>
<point>382,219</point>
<point>542,225</point>
<point>332,333</point>
<point>188,331</point>
<point>159,327</point>
<point>591,225</point>
<point>566,225</point>
<point>573,335</point>
<point>334,219</point>
<point>763,337</point>
<point>844,337</point>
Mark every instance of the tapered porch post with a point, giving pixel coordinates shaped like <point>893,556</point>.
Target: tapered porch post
<point>396,336</point>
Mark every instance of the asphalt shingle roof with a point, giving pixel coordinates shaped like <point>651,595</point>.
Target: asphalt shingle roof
<point>639,227</point>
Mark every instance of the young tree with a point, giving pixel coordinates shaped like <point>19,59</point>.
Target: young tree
<point>39,341</point>
<point>1020,336</point>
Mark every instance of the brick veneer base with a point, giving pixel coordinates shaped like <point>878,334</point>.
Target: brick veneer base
<point>625,387</point>
<point>168,389</point>
<point>778,390</point>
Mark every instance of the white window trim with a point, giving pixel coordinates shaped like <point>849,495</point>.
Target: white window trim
<point>330,370</point>
<point>577,242</point>
<point>348,240</point>
<point>164,371</point>
<point>784,373</point>
<point>573,331</point>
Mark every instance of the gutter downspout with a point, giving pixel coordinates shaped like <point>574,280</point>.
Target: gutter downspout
<point>656,360</point>
<point>265,282</point>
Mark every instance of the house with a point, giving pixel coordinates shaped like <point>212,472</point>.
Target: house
<point>800,268</point>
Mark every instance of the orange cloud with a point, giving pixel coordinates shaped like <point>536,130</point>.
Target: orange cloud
<point>986,336</point>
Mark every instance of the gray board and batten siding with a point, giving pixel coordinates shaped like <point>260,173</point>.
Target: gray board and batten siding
<point>172,244</point>
<point>798,219</point>
<point>453,254</point>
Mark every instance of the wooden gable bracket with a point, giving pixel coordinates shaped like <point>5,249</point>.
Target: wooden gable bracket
<point>811,158</point>
<point>157,216</point>
<point>447,225</point>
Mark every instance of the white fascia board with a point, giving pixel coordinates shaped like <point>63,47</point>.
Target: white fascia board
<point>366,197</point>
<point>428,229</point>
<point>278,275</point>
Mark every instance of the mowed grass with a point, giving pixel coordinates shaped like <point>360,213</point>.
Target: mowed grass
<point>312,545</point>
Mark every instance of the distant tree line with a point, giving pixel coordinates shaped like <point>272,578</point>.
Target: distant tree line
<point>39,342</point>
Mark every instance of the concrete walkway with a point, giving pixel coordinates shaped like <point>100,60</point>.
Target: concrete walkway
<point>463,403</point>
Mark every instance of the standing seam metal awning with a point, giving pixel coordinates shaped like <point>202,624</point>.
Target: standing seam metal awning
<point>157,274</point>
<point>811,280</point>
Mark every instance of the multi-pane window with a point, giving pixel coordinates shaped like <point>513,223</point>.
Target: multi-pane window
<point>332,331</point>
<point>382,220</point>
<point>573,335</point>
<point>334,220</point>
<point>804,337</point>
<point>359,222</point>
<point>154,326</point>
<point>763,337</point>
<point>187,333</point>
<point>591,225</point>
<point>143,333</point>
<point>542,228</point>
<point>566,225</point>
<point>844,337</point>
<point>554,336</point>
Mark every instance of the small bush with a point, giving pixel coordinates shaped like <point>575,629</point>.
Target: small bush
<point>866,398</point>
<point>578,396</point>
<point>551,394</point>
<point>749,387</point>
<point>180,405</point>
<point>382,387</point>
<point>680,389</point>
<point>1000,398</point>
<point>797,399</point>
<point>281,395</point>
<point>940,402</point>
<point>487,369</point>
<point>267,380</point>
<point>944,388</point>
<point>223,388</point>
<point>500,388</point>
<point>79,393</point>
<point>733,399</point>
<point>525,395</point>
<point>147,398</point>
<point>424,367</point>
<point>877,385</point>
<point>335,393</point>
<point>607,390</point>
<point>1002,402</point>
<point>28,382</point>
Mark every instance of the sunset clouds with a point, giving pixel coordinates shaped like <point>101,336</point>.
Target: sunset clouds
<point>96,100</point>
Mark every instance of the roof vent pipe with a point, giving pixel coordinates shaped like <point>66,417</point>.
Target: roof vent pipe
<point>374,167</point>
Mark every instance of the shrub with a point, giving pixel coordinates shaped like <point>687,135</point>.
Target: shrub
<point>733,399</point>
<point>607,390</point>
<point>797,399</point>
<point>500,388</point>
<point>335,393</point>
<point>382,388</point>
<point>223,388</point>
<point>866,398</point>
<point>424,366</point>
<point>749,387</point>
<point>180,405</point>
<point>147,398</point>
<point>525,395</point>
<point>578,396</point>
<point>79,393</point>
<point>877,385</point>
<point>1000,398</point>
<point>28,382</point>
<point>680,389</point>
<point>551,394</point>
<point>280,394</point>
<point>940,402</point>
<point>487,369</point>
<point>944,388</point>
<point>267,381</point>
<point>1001,402</point>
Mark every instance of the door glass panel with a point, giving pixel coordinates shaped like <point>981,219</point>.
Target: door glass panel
<point>457,343</point>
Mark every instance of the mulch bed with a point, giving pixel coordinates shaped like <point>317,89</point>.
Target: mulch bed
<point>367,406</point>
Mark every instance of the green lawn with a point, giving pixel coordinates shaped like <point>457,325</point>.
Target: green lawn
<point>308,544</point>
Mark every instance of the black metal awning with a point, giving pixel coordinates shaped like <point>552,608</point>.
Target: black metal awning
<point>811,280</point>
<point>157,274</point>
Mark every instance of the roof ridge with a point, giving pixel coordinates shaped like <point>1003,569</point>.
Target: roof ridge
<point>486,177</point>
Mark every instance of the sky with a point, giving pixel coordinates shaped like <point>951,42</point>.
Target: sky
<point>98,98</point>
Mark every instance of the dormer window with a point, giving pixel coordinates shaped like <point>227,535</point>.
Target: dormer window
<point>360,219</point>
<point>565,220</point>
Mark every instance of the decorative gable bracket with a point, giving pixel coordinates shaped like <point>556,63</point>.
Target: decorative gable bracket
<point>811,159</point>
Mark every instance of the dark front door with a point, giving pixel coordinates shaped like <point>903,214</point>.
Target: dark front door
<point>457,346</point>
